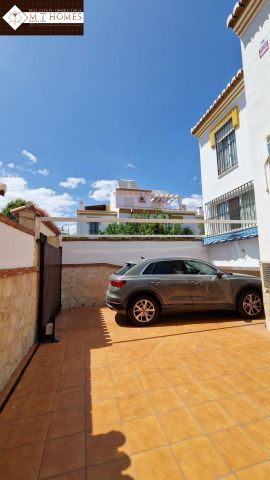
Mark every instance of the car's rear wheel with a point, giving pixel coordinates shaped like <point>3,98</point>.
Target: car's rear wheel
<point>250,304</point>
<point>143,310</point>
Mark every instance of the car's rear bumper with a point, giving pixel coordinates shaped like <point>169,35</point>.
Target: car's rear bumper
<point>113,305</point>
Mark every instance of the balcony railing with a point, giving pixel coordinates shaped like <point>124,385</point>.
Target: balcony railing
<point>72,221</point>
<point>238,204</point>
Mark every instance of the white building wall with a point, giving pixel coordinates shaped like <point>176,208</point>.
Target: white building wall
<point>130,199</point>
<point>212,185</point>
<point>119,252</point>
<point>242,255</point>
<point>257,80</point>
<point>16,248</point>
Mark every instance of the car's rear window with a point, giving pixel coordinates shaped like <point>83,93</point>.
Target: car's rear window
<point>125,269</point>
<point>149,269</point>
<point>167,267</point>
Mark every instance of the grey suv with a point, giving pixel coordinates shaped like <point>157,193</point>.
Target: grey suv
<point>145,288</point>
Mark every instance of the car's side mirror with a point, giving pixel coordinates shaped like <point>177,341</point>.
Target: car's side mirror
<point>219,275</point>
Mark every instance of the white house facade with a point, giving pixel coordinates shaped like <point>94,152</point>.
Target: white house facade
<point>128,200</point>
<point>250,20</point>
<point>226,165</point>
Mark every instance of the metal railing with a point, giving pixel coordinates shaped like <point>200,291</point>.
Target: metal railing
<point>237,208</point>
<point>209,223</point>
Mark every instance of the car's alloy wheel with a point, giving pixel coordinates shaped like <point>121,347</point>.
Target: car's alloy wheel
<point>250,304</point>
<point>143,310</point>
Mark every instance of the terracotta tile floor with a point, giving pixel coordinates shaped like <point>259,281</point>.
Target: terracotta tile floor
<point>185,399</point>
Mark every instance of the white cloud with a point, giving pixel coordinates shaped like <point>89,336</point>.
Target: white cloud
<point>44,172</point>
<point>46,198</point>
<point>102,189</point>
<point>1,163</point>
<point>130,165</point>
<point>72,182</point>
<point>193,202</point>
<point>30,156</point>
<point>11,165</point>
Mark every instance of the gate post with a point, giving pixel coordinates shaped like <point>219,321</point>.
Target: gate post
<point>41,242</point>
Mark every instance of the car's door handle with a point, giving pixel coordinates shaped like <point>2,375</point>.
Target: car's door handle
<point>155,283</point>
<point>193,282</point>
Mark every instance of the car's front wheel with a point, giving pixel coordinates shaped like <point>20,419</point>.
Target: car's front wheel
<point>250,304</point>
<point>143,310</point>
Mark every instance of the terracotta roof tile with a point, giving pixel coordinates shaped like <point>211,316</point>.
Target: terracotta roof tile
<point>227,90</point>
<point>237,12</point>
<point>39,213</point>
<point>133,189</point>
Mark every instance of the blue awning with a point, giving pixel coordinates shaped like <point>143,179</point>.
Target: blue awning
<point>228,237</point>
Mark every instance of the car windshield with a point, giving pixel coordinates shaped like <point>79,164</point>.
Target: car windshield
<point>125,269</point>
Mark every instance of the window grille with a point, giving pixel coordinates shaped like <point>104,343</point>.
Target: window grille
<point>226,147</point>
<point>93,228</point>
<point>238,204</point>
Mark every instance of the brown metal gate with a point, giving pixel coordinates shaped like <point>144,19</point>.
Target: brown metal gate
<point>50,287</point>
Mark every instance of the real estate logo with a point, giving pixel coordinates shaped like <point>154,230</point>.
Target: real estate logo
<point>56,17</point>
<point>15,17</point>
<point>264,47</point>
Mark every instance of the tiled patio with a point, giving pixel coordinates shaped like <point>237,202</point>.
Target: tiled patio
<point>188,398</point>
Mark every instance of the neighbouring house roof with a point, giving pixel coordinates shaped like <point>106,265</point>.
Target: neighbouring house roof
<point>3,189</point>
<point>39,213</point>
<point>121,189</point>
<point>236,81</point>
<point>96,207</point>
<point>242,14</point>
<point>97,213</point>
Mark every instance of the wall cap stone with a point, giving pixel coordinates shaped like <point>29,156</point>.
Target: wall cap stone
<point>151,238</point>
<point>10,272</point>
<point>85,265</point>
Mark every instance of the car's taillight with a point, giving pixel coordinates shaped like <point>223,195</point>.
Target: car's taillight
<point>117,283</point>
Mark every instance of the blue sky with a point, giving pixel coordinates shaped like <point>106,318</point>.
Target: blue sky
<point>116,103</point>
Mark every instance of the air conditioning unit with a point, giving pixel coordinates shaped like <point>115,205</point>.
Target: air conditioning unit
<point>141,199</point>
<point>266,275</point>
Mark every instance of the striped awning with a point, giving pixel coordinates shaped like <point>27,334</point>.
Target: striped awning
<point>229,236</point>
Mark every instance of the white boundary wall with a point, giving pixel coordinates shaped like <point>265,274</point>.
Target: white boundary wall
<point>16,247</point>
<point>117,252</point>
<point>243,254</point>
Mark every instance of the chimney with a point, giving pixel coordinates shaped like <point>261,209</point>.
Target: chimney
<point>180,204</point>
